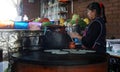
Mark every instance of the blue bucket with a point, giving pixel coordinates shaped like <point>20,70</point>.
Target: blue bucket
<point>20,25</point>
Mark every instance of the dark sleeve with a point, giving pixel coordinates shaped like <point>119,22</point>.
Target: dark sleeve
<point>91,34</point>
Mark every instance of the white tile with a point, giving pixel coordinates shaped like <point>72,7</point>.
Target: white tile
<point>3,66</point>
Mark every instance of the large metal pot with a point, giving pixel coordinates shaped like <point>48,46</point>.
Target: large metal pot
<point>56,37</point>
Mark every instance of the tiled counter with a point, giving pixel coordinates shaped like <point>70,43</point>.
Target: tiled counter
<point>10,39</point>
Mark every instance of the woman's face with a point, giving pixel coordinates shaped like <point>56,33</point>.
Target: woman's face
<point>91,14</point>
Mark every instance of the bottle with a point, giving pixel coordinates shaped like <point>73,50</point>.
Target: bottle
<point>25,18</point>
<point>61,22</point>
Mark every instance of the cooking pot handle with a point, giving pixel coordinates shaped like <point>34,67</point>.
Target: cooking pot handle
<point>45,30</point>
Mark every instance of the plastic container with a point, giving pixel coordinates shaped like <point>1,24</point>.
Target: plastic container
<point>20,25</point>
<point>77,41</point>
<point>34,25</point>
<point>6,25</point>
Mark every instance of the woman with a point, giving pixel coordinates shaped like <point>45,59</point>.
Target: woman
<point>95,34</point>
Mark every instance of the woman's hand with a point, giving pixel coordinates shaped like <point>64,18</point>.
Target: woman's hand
<point>75,35</point>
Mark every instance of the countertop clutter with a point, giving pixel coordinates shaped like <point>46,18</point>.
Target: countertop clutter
<point>113,47</point>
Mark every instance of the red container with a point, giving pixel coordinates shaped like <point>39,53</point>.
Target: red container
<point>62,0</point>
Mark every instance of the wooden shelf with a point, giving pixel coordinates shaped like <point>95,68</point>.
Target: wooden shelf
<point>57,10</point>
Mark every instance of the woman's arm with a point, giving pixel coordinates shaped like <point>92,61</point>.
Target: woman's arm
<point>75,35</point>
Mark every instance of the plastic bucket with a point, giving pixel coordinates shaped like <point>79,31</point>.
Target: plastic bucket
<point>20,25</point>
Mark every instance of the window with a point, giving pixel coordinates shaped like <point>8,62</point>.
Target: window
<point>10,9</point>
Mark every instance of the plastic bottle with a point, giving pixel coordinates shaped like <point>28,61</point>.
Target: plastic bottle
<point>25,18</point>
<point>61,22</point>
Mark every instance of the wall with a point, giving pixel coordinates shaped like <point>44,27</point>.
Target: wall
<point>32,10</point>
<point>112,8</point>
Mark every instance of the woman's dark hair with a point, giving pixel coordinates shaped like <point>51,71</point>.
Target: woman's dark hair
<point>99,7</point>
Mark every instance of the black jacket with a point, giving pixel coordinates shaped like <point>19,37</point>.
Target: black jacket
<point>95,37</point>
